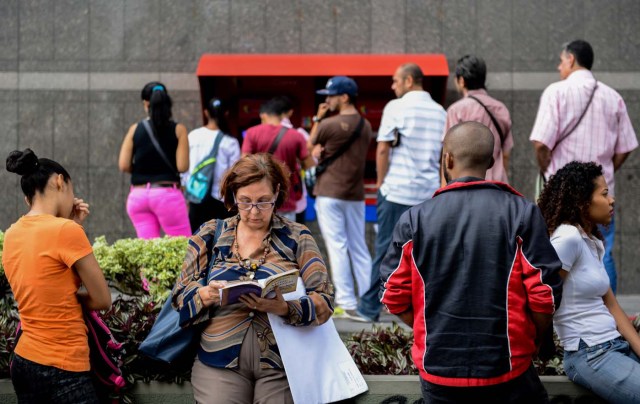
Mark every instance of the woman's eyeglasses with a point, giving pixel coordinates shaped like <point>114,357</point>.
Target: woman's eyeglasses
<point>258,205</point>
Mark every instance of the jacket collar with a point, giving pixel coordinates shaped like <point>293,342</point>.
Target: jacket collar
<point>475,182</point>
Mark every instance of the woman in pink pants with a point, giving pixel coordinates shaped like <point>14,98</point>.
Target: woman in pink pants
<point>155,151</point>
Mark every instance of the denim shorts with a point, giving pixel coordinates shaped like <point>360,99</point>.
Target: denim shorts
<point>610,369</point>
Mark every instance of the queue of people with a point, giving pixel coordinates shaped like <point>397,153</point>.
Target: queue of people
<point>476,270</point>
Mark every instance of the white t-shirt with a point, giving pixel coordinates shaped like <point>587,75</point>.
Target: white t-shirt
<point>200,143</point>
<point>582,313</point>
<point>414,165</point>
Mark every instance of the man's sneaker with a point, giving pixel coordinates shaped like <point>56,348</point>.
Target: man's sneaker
<point>355,316</point>
<point>338,312</point>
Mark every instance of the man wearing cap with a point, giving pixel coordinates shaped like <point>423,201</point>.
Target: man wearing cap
<point>407,163</point>
<point>340,142</point>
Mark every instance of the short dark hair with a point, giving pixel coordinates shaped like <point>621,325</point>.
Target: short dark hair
<point>35,172</point>
<point>253,168</point>
<point>474,71</point>
<point>582,51</point>
<point>270,107</point>
<point>567,195</point>
<point>414,71</point>
<point>283,104</point>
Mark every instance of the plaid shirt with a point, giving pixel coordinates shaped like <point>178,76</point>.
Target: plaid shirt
<point>292,247</point>
<point>604,131</point>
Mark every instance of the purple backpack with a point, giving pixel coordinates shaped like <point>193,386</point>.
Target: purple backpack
<point>105,353</point>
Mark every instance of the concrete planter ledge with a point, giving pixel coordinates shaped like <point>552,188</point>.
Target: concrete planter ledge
<point>382,389</point>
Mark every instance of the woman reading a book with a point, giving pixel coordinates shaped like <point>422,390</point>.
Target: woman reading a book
<point>238,358</point>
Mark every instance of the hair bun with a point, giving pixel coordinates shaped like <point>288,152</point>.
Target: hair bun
<point>22,162</point>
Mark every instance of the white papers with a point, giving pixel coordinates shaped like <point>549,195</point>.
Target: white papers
<point>318,366</point>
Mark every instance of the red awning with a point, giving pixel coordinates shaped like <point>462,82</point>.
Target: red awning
<point>317,65</point>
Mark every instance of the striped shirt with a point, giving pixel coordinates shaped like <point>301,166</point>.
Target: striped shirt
<point>414,165</point>
<point>292,247</point>
<point>468,109</point>
<point>604,131</point>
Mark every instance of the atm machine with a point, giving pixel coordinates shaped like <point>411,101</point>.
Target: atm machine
<point>245,81</point>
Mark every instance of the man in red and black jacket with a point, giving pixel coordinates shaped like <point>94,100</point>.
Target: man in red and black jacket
<point>473,272</point>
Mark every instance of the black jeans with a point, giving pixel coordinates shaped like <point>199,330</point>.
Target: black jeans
<point>209,209</point>
<point>526,389</point>
<point>35,383</point>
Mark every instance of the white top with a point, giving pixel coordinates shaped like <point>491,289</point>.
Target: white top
<point>414,165</point>
<point>200,144</point>
<point>582,313</point>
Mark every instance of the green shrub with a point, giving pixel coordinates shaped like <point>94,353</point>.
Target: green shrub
<point>137,267</point>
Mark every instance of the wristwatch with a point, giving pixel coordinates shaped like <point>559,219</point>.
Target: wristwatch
<point>316,118</point>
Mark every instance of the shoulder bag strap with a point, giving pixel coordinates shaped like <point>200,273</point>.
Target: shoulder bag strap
<point>493,119</point>
<point>277,140</point>
<point>579,119</point>
<point>216,236</point>
<point>155,143</point>
<point>566,135</point>
<point>214,155</point>
<point>345,146</point>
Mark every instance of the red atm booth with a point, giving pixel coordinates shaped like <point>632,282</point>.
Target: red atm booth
<point>245,81</point>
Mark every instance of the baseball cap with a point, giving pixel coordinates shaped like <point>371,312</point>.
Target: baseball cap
<point>340,85</point>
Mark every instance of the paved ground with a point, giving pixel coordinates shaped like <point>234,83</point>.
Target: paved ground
<point>630,304</point>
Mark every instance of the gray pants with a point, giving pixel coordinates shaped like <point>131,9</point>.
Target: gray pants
<point>248,384</point>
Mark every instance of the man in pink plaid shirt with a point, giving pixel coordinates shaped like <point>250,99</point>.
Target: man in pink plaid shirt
<point>582,119</point>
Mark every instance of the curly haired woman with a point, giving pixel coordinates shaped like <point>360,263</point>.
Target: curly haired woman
<point>601,346</point>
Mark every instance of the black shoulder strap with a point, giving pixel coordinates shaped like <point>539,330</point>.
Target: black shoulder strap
<point>493,119</point>
<point>156,145</point>
<point>345,146</point>
<point>276,141</point>
<point>579,120</point>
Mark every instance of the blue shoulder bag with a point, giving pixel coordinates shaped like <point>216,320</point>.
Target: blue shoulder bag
<point>167,341</point>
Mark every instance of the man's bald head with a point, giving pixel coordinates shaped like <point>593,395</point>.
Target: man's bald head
<point>471,146</point>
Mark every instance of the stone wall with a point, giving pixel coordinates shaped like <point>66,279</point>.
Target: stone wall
<point>71,72</point>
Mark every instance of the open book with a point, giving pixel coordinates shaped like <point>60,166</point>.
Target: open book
<point>286,281</point>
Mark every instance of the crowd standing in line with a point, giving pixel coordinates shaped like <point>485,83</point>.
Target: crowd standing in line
<point>583,119</point>
<point>47,257</point>
<point>433,247</point>
<point>155,151</point>
<point>601,346</point>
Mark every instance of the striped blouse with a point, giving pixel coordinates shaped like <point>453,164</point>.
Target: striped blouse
<point>292,247</point>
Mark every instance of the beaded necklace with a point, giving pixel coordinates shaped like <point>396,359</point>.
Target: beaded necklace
<point>247,263</point>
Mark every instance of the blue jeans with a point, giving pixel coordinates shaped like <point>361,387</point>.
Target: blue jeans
<point>388,215</point>
<point>611,370</point>
<point>609,233</point>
